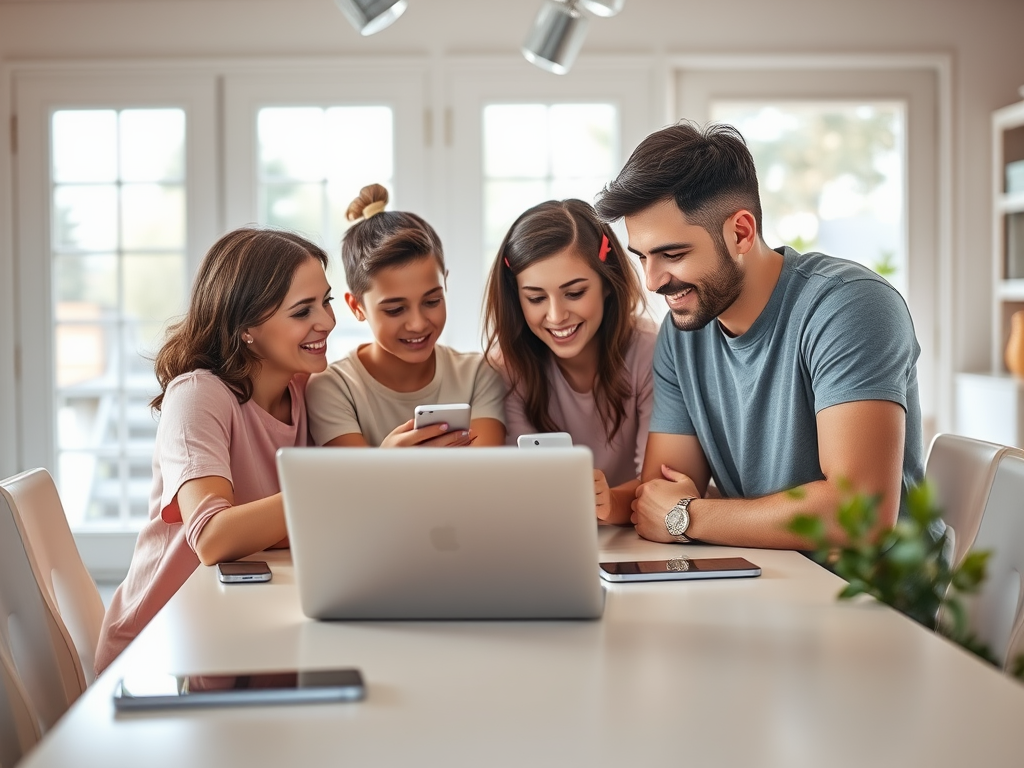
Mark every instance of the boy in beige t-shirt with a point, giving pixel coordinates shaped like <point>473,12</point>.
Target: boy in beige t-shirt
<point>394,266</point>
<point>346,399</point>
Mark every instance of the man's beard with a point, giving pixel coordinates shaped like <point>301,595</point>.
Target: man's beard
<point>715,294</point>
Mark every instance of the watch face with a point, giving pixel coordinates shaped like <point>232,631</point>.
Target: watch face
<point>677,521</point>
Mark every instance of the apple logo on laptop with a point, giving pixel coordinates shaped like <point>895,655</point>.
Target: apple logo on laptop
<point>444,539</point>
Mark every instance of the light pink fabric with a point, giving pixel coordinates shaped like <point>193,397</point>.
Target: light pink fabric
<point>576,412</point>
<point>203,432</point>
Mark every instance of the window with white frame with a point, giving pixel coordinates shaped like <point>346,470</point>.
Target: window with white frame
<point>848,155</point>
<point>312,162</point>
<point>538,152</point>
<point>832,176</point>
<point>119,273</point>
<point>518,137</point>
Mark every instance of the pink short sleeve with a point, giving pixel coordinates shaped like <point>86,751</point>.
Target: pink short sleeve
<point>194,439</point>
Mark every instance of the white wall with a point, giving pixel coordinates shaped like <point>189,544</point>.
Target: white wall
<point>981,36</point>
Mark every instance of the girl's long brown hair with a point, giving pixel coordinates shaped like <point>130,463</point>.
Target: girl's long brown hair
<point>539,233</point>
<point>241,282</point>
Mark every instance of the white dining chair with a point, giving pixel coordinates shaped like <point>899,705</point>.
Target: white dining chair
<point>66,583</point>
<point>19,727</point>
<point>960,471</point>
<point>995,614</point>
<point>40,648</point>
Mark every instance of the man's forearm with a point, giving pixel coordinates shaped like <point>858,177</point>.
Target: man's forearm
<point>763,522</point>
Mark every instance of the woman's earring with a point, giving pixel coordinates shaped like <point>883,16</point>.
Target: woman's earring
<point>247,339</point>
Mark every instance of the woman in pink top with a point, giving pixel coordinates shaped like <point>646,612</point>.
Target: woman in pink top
<point>563,323</point>
<point>233,376</point>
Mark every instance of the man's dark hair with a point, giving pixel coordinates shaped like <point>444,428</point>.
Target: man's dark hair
<point>708,171</point>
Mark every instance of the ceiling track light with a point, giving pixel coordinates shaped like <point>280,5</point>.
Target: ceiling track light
<point>603,8</point>
<point>556,36</point>
<point>370,16</point>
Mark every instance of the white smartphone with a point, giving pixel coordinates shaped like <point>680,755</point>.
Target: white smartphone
<point>148,690</point>
<point>455,415</point>
<point>546,440</point>
<point>679,568</point>
<point>244,570</point>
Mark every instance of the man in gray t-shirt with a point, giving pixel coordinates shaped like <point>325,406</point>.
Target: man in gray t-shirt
<point>773,370</point>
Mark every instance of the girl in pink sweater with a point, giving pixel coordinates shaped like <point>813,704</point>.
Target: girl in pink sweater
<point>563,323</point>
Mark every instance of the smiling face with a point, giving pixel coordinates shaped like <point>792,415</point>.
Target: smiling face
<point>294,338</point>
<point>562,299</point>
<point>405,308</point>
<point>696,274</point>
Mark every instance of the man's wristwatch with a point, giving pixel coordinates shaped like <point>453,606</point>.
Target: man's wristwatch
<point>678,520</point>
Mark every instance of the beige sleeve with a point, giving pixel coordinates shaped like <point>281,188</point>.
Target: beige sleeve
<point>488,394</point>
<point>331,406</point>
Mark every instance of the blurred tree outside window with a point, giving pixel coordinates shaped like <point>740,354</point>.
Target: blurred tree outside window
<point>832,177</point>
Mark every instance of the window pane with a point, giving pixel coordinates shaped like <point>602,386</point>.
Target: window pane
<point>292,143</point>
<point>154,289</point>
<point>78,418</point>
<point>83,348</point>
<point>504,201</point>
<point>538,152</point>
<point>120,275</point>
<point>582,140</point>
<point>831,177</point>
<point>153,145</point>
<point>359,149</point>
<point>84,145</point>
<point>85,217</point>
<point>312,162</point>
<point>583,189</point>
<point>515,140</point>
<point>294,206</point>
<point>84,280</point>
<point>153,216</point>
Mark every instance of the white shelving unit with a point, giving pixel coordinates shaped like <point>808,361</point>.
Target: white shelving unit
<point>1007,227</point>
<point>990,405</point>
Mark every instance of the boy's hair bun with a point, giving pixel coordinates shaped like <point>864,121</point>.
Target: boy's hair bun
<point>372,200</point>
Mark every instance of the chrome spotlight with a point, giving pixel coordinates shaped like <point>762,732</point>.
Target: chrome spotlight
<point>604,8</point>
<point>369,16</point>
<point>556,36</point>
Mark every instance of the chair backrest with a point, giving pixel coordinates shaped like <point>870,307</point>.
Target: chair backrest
<point>63,577</point>
<point>961,470</point>
<point>40,648</point>
<point>19,727</point>
<point>995,613</point>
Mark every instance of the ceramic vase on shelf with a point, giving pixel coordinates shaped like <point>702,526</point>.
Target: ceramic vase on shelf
<point>1015,345</point>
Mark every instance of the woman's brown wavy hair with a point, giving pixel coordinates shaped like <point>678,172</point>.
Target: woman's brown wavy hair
<point>539,233</point>
<point>241,282</point>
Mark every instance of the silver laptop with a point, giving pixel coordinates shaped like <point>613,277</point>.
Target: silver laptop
<point>435,533</point>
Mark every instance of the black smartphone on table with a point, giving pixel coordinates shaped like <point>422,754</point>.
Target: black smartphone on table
<point>679,568</point>
<point>164,691</point>
<point>244,570</point>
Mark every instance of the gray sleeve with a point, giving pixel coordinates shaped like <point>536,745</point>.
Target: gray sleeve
<point>859,345</point>
<point>669,414</point>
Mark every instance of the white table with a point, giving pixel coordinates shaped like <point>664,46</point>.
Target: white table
<point>759,672</point>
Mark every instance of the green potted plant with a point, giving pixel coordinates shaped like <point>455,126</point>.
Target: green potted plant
<point>907,566</point>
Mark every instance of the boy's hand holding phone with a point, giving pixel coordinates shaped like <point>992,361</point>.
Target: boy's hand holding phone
<point>432,436</point>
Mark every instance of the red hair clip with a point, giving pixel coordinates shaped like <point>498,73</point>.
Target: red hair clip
<point>507,264</point>
<point>605,247</point>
